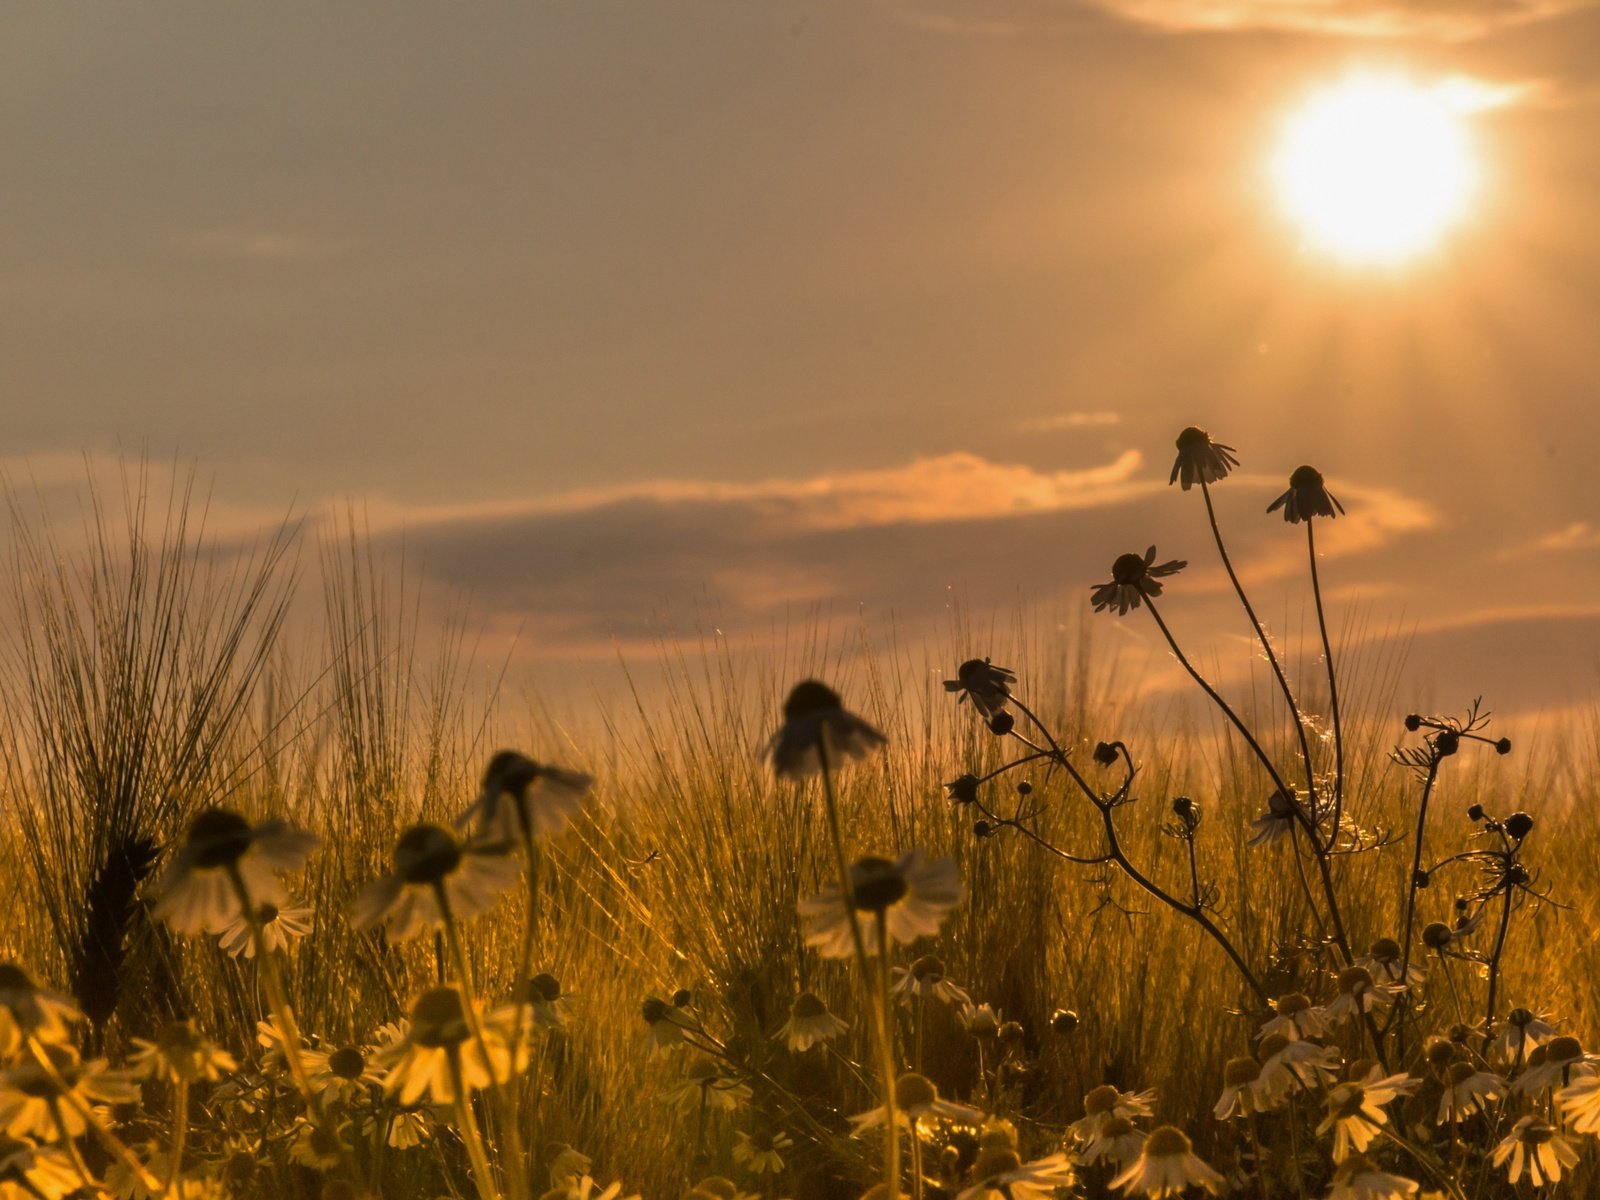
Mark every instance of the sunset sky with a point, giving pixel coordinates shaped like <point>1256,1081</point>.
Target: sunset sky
<point>632,317</point>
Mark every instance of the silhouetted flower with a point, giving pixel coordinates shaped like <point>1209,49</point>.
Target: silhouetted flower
<point>1306,498</point>
<point>815,721</point>
<point>912,893</point>
<point>1200,459</point>
<point>1133,577</point>
<point>520,798</point>
<point>988,686</point>
<point>1276,823</point>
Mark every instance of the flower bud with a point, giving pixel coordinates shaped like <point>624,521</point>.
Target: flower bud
<point>1063,1020</point>
<point>1503,746</point>
<point>1105,754</point>
<point>1447,743</point>
<point>1519,825</point>
<point>1002,723</point>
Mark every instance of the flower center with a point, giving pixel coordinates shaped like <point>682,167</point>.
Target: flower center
<point>218,838</point>
<point>426,854</point>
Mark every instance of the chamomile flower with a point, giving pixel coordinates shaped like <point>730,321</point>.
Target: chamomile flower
<point>1103,1103</point>
<point>926,980</point>
<point>1277,823</point>
<point>916,1100</point>
<point>1358,1178</point>
<point>1290,1066</point>
<point>221,855</point>
<point>1523,1031</point>
<point>1167,1166</point>
<point>1295,1017</point>
<point>980,1020</point>
<point>1134,577</point>
<point>1552,1065</point>
<point>434,872</point>
<point>809,1024</point>
<point>33,1099</point>
<point>1538,1148</point>
<point>520,799</point>
<point>404,1128</point>
<point>761,1153</point>
<point>911,894</point>
<point>1385,964</point>
<point>706,1086</point>
<point>667,1023</point>
<point>279,927</point>
<point>815,722</point>
<point>566,1164</point>
<point>1241,1090</point>
<point>1306,498</point>
<point>986,685</point>
<point>1355,1110</point>
<point>1115,1140</point>
<point>181,1054</point>
<point>316,1145</point>
<point>1000,1174</point>
<point>438,1054</point>
<point>586,1188</point>
<point>540,1004</point>
<point>1580,1103</point>
<point>1200,460</point>
<point>345,1075</point>
<point>1466,1091</point>
<point>1358,994</point>
<point>28,1172</point>
<point>31,1011</point>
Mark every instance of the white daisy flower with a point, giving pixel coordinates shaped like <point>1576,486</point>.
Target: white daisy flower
<point>1116,1140</point>
<point>30,1011</point>
<point>814,720</point>
<point>1306,498</point>
<point>1000,1174</point>
<point>1355,1110</point>
<point>913,894</point>
<point>434,871</point>
<point>1103,1103</point>
<point>1295,1017</point>
<point>809,1024</point>
<point>1357,1178</point>
<point>1134,577</point>
<point>1467,1090</point>
<point>987,686</point>
<point>1287,1067</point>
<point>181,1054</point>
<point>1523,1031</point>
<point>279,927</point>
<point>1277,822</point>
<point>437,1053</point>
<point>1200,460</point>
<point>916,1100</point>
<point>1241,1083</point>
<point>1538,1148</point>
<point>1167,1166</point>
<point>761,1153</point>
<point>222,853</point>
<point>520,800</point>
<point>926,980</point>
<point>667,1023</point>
<point>1358,994</point>
<point>1580,1103</point>
<point>1386,964</point>
<point>33,1099</point>
<point>705,1086</point>
<point>1552,1065</point>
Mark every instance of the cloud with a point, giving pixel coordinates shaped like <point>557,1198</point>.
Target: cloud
<point>1057,422</point>
<point>1446,19</point>
<point>1580,535</point>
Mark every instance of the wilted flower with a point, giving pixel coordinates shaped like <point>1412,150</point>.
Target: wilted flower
<point>1358,1178</point>
<point>438,1054</point>
<point>520,799</point>
<point>988,686</point>
<point>1167,1166</point>
<point>809,1023</point>
<point>1200,459</point>
<point>279,927</point>
<point>1537,1147</point>
<point>926,980</point>
<point>916,1099</point>
<point>1133,578</point>
<point>30,1011</point>
<point>433,872</point>
<point>911,895</point>
<point>815,721</point>
<point>761,1153</point>
<point>180,1055</point>
<point>1000,1174</point>
<point>222,854</point>
<point>1306,498</point>
<point>1466,1091</point>
<point>1355,1110</point>
<point>1277,822</point>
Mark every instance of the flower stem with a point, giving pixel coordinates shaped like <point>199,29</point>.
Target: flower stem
<point>1266,645</point>
<point>482,1175</point>
<point>180,1132</point>
<point>891,1153</point>
<point>1333,683</point>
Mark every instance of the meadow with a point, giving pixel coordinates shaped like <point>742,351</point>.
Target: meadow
<point>646,915</point>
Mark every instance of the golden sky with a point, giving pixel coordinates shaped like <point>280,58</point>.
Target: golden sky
<point>643,315</point>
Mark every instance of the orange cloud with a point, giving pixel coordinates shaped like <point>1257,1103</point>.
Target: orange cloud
<point>1447,19</point>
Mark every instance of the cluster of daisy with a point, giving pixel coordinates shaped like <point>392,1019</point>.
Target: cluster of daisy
<point>184,1117</point>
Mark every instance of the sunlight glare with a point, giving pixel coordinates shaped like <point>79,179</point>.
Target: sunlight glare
<point>1377,168</point>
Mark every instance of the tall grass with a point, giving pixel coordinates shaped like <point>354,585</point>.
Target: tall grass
<point>149,675</point>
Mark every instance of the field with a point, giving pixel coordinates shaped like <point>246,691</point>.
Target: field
<point>149,680</point>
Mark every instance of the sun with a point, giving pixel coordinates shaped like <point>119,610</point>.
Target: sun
<point>1377,168</point>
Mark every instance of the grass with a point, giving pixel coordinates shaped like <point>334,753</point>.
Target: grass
<point>150,677</point>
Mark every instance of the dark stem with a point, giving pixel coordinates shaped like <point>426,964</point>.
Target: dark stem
<point>1333,685</point>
